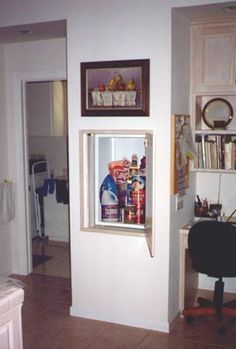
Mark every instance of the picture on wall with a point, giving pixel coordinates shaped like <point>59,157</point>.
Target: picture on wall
<point>115,88</point>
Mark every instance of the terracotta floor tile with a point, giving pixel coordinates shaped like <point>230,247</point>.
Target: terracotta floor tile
<point>63,342</point>
<point>59,264</point>
<point>47,324</point>
<point>204,330</point>
<point>117,336</point>
<point>90,328</point>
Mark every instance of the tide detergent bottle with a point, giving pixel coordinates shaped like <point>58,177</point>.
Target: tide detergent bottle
<point>109,200</point>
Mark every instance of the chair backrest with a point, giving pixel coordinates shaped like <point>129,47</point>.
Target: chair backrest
<point>212,247</point>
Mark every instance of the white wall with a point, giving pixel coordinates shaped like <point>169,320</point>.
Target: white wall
<point>180,98</point>
<point>113,277</point>
<point>216,186</point>
<point>5,233</point>
<point>56,223</point>
<point>55,149</point>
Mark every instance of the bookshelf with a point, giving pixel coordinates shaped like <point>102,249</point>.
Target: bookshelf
<point>215,151</point>
<point>215,148</point>
<point>213,77</point>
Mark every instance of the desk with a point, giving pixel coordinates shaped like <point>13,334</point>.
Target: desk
<point>188,278</point>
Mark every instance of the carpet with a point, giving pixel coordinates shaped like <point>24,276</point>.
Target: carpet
<point>39,259</point>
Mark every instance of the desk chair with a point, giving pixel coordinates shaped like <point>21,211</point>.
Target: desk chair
<point>212,248</point>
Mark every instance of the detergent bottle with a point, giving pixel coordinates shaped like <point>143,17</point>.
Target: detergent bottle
<point>109,200</point>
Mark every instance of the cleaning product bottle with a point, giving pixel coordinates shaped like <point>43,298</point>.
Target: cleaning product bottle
<point>109,200</point>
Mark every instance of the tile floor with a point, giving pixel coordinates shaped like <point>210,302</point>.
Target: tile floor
<point>59,264</point>
<point>47,323</point>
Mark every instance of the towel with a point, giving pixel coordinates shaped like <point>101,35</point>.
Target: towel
<point>62,194</point>
<point>7,202</point>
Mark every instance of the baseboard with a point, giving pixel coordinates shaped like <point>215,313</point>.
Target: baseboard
<point>121,320</point>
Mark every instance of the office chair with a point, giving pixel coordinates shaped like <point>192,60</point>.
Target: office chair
<point>212,248</point>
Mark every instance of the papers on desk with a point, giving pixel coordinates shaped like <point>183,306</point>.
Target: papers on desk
<point>219,219</point>
<point>199,219</point>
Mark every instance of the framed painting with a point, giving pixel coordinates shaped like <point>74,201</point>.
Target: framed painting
<point>115,88</point>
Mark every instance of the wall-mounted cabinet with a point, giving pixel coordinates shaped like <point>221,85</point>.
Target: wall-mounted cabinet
<point>46,108</point>
<point>213,57</point>
<point>117,183</point>
<point>214,80</point>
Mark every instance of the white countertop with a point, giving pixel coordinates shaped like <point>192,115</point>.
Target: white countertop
<point>11,294</point>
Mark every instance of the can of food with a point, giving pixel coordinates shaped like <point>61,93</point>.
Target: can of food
<point>130,214</point>
<point>140,214</point>
<point>138,190</point>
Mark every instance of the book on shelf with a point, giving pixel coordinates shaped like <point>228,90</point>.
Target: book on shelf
<point>215,152</point>
<point>228,156</point>
<point>204,165</point>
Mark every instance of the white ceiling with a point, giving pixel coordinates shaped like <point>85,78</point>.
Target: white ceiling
<point>32,32</point>
<point>57,29</point>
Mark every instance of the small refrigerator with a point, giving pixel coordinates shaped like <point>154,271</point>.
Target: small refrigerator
<point>117,183</point>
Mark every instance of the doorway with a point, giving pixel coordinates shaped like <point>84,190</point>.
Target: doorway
<point>46,159</point>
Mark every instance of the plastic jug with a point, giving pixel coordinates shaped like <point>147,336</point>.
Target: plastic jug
<point>110,207</point>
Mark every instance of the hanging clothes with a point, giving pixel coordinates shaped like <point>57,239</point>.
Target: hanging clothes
<point>7,202</point>
<point>48,186</point>
<point>62,193</point>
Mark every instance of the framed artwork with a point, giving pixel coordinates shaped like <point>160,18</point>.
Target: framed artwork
<point>115,88</point>
<point>179,161</point>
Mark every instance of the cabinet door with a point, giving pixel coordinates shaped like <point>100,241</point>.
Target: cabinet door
<point>149,229</point>
<point>214,58</point>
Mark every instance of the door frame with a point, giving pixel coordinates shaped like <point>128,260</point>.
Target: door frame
<point>24,224</point>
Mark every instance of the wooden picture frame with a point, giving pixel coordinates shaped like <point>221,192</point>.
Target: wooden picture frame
<point>115,88</point>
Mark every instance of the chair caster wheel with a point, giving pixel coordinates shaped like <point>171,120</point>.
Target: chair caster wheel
<point>189,319</point>
<point>221,331</point>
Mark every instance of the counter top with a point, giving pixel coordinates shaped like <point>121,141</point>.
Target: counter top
<point>11,295</point>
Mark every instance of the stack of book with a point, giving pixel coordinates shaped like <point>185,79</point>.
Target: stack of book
<point>215,152</point>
